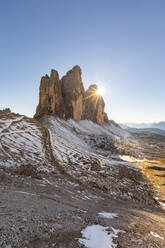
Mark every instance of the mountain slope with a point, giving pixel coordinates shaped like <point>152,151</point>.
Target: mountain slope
<point>60,177</point>
<point>88,153</point>
<point>23,142</point>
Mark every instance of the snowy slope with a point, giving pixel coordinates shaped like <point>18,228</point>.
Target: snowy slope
<point>21,142</point>
<point>84,183</point>
<point>83,151</point>
<point>82,142</point>
<point>87,152</point>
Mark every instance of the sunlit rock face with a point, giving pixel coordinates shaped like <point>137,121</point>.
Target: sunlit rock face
<point>73,93</point>
<point>94,105</point>
<point>50,96</point>
<point>67,99</point>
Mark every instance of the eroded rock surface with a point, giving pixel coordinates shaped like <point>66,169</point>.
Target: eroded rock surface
<point>67,99</point>
<point>94,105</point>
<point>50,96</point>
<point>73,93</point>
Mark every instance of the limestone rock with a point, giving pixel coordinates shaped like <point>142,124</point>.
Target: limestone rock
<point>5,111</point>
<point>73,93</point>
<point>67,99</point>
<point>94,105</point>
<point>106,119</point>
<point>50,97</point>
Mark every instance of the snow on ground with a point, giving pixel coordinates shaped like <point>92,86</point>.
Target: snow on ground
<point>162,204</point>
<point>26,193</point>
<point>108,215</point>
<point>6,123</point>
<point>21,142</point>
<point>75,149</point>
<point>75,143</point>
<point>131,159</point>
<point>97,236</point>
<point>71,141</point>
<point>156,235</point>
<point>83,150</point>
<point>89,127</point>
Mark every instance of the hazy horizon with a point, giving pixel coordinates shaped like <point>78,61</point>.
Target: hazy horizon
<point>119,45</point>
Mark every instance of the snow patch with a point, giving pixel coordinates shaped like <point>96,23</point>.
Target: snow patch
<point>131,159</point>
<point>97,236</point>
<point>23,192</point>
<point>108,215</point>
<point>156,235</point>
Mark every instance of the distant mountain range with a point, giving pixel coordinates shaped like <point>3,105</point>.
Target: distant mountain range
<point>146,130</point>
<point>159,125</point>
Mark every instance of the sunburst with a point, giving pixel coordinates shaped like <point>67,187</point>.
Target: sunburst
<point>100,91</point>
<point>95,93</point>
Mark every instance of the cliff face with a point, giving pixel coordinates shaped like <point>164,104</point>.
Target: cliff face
<point>73,93</point>
<point>67,99</point>
<point>50,96</point>
<point>93,105</point>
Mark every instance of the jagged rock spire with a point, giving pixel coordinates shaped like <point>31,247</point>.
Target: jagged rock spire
<point>67,99</point>
<point>93,105</point>
<point>73,93</point>
<point>50,97</point>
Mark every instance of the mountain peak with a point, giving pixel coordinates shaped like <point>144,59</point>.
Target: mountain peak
<point>54,74</point>
<point>67,99</point>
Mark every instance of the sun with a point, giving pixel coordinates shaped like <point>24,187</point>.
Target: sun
<point>100,91</point>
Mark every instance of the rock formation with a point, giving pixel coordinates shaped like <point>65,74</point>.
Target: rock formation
<point>73,93</point>
<point>67,99</point>
<point>50,97</point>
<point>93,105</point>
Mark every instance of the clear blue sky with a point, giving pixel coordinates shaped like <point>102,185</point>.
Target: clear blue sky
<point>118,43</point>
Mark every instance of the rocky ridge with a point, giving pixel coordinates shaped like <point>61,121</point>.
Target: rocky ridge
<point>67,99</point>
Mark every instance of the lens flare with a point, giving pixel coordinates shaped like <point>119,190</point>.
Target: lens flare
<point>100,91</point>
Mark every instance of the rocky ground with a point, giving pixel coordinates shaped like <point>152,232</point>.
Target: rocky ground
<point>59,178</point>
<point>52,211</point>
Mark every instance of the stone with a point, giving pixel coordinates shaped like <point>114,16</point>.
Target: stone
<point>50,97</point>
<point>67,99</point>
<point>94,105</point>
<point>106,119</point>
<point>73,93</point>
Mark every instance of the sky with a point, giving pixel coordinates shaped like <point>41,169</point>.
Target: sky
<point>119,45</point>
